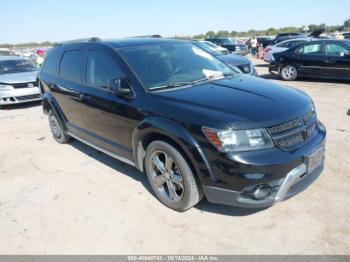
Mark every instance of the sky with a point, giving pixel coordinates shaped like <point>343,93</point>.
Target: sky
<point>59,20</point>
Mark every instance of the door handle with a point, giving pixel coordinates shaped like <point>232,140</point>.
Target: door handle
<point>84,97</point>
<point>328,61</point>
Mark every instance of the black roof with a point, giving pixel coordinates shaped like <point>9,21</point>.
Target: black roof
<point>125,42</point>
<point>129,42</point>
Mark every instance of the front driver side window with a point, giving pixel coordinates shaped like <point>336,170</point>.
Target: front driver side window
<point>336,50</point>
<point>310,49</point>
<point>101,68</point>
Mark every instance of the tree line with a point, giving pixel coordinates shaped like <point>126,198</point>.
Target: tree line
<point>271,31</point>
<point>225,33</point>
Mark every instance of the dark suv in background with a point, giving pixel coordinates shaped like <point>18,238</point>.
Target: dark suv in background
<point>231,44</point>
<point>194,125</point>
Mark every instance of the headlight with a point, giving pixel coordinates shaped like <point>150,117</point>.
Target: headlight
<point>238,140</point>
<point>313,108</point>
<point>5,87</point>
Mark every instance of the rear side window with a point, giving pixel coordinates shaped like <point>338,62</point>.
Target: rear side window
<point>310,49</point>
<point>101,68</point>
<point>51,61</point>
<point>295,43</point>
<point>72,65</point>
<point>336,50</point>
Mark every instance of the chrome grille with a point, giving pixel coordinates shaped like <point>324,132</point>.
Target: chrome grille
<point>285,126</point>
<point>307,117</point>
<point>293,134</point>
<point>290,140</point>
<point>25,85</point>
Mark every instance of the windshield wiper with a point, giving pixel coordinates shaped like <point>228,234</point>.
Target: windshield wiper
<point>180,84</point>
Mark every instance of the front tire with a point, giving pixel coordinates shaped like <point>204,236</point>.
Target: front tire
<point>171,177</point>
<point>289,73</point>
<point>56,129</point>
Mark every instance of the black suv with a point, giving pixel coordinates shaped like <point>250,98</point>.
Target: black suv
<point>192,124</point>
<point>230,44</point>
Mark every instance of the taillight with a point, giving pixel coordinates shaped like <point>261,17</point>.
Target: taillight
<point>267,49</point>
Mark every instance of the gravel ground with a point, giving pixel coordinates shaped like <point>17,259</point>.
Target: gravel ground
<point>71,199</point>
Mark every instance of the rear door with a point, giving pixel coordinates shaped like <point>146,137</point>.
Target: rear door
<point>66,89</point>
<point>309,58</point>
<point>337,60</point>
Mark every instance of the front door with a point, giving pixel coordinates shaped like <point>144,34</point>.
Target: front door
<point>106,115</point>
<point>309,59</point>
<point>338,60</point>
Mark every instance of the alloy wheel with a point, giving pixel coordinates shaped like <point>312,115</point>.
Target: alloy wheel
<point>55,128</point>
<point>289,72</point>
<point>166,176</point>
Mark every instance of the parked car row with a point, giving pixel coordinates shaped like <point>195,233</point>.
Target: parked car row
<point>232,60</point>
<point>18,75</point>
<point>234,46</point>
<point>6,52</point>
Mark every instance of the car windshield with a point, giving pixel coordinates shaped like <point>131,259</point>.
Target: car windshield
<point>229,41</point>
<point>209,48</point>
<point>170,65</point>
<point>16,66</point>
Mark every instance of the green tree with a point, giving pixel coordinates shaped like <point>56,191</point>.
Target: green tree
<point>271,31</point>
<point>347,23</point>
<point>210,34</point>
<point>222,33</point>
<point>233,33</point>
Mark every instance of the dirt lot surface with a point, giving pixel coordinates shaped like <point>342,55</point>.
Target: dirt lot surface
<point>70,199</point>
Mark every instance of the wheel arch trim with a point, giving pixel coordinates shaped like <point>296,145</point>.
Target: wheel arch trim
<point>50,103</point>
<point>175,132</point>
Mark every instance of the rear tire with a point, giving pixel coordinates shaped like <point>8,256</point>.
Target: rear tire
<point>171,177</point>
<point>56,129</point>
<point>289,73</point>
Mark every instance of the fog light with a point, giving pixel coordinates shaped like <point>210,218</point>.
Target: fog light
<point>261,192</point>
<point>255,176</point>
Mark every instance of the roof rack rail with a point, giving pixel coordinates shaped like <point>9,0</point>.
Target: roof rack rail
<point>146,36</point>
<point>81,40</point>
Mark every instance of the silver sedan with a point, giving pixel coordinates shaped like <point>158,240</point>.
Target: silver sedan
<point>282,46</point>
<point>18,83</point>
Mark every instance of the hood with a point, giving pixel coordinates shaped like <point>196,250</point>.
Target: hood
<point>240,102</point>
<point>14,78</point>
<point>234,59</point>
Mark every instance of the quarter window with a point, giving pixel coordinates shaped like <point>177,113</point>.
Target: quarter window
<point>311,49</point>
<point>336,50</point>
<point>51,61</point>
<point>101,68</point>
<point>71,65</point>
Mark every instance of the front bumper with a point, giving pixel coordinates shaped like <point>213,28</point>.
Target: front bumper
<point>283,172</point>
<point>295,182</point>
<point>273,67</point>
<point>20,95</point>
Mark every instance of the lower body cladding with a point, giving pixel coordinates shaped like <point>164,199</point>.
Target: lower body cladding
<point>19,95</point>
<point>262,179</point>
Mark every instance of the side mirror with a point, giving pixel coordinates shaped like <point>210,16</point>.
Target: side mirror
<point>121,87</point>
